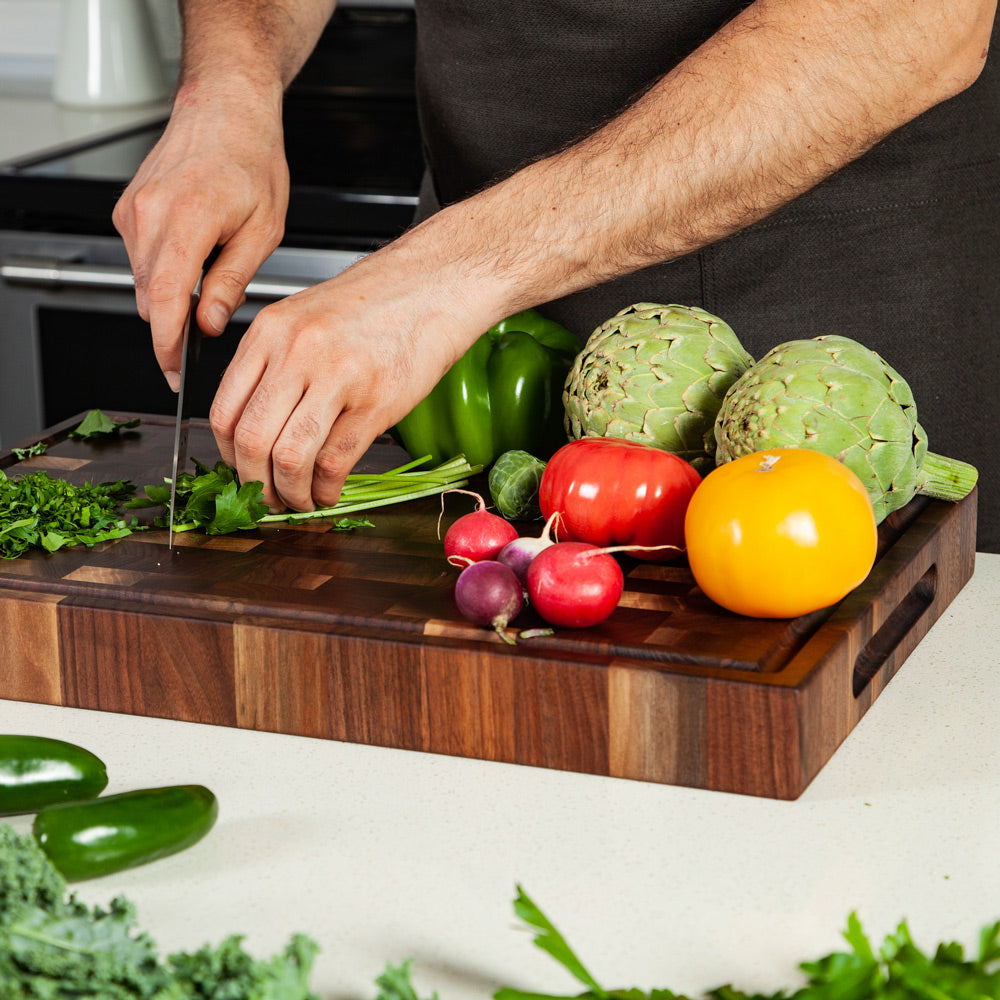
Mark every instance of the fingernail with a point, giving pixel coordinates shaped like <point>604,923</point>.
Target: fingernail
<point>217,316</point>
<point>173,380</point>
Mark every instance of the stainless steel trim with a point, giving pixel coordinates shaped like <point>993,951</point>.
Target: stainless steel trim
<point>52,273</point>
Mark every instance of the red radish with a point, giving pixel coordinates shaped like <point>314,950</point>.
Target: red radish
<point>488,593</point>
<point>574,584</point>
<point>519,553</point>
<point>476,536</point>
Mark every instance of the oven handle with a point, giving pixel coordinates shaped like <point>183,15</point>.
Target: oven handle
<point>61,274</point>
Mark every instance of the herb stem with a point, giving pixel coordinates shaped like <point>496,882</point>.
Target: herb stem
<point>365,491</point>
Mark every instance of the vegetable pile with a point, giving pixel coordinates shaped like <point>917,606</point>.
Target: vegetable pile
<point>572,583</point>
<point>672,382</point>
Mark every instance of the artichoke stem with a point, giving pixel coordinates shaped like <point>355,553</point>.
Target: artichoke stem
<point>946,478</point>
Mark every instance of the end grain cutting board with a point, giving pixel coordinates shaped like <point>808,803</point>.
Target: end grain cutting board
<point>355,636</point>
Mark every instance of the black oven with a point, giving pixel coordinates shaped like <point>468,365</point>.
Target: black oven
<point>70,338</point>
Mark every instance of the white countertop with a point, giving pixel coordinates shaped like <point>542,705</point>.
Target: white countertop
<point>33,123</point>
<point>381,855</point>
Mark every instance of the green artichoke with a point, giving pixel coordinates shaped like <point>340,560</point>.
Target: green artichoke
<point>833,395</point>
<point>657,374</point>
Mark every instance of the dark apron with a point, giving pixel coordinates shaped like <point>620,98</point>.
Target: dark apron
<point>898,250</point>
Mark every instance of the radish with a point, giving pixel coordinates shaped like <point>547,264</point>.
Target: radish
<point>476,536</point>
<point>519,553</point>
<point>488,593</point>
<point>574,584</point>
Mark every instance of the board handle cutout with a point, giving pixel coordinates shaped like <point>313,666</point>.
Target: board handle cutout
<point>894,629</point>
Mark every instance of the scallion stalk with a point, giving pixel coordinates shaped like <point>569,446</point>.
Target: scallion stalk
<point>368,490</point>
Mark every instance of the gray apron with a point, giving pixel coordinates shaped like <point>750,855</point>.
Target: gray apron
<point>898,250</point>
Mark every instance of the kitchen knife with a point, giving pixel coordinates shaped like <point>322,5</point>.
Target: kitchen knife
<point>189,363</point>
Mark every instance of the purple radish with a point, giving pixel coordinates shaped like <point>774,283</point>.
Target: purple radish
<point>488,593</point>
<point>519,553</point>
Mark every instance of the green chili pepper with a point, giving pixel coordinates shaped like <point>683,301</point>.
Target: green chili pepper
<point>109,834</point>
<point>504,394</point>
<point>37,771</point>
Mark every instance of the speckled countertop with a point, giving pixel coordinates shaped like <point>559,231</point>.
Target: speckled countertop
<point>381,855</point>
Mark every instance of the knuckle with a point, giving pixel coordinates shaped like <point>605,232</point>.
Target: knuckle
<point>233,280</point>
<point>144,204</point>
<point>288,459</point>
<point>271,232</point>
<point>161,288</point>
<point>247,439</point>
<point>221,416</point>
<point>331,465</point>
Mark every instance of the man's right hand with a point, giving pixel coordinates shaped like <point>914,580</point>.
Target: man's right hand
<point>216,178</point>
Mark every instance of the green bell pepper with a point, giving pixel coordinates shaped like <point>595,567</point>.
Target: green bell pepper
<point>503,394</point>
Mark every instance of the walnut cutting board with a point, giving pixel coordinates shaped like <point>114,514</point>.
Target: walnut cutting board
<point>355,636</point>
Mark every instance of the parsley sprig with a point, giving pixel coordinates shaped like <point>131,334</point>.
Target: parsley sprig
<point>899,970</point>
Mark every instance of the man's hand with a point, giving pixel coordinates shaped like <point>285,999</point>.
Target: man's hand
<point>319,375</point>
<point>217,177</point>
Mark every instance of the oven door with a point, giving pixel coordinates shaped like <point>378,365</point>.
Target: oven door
<point>71,339</point>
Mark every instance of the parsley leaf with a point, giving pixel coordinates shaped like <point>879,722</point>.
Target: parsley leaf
<point>38,448</point>
<point>98,424</point>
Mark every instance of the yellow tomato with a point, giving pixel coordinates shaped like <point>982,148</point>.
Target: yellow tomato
<point>780,533</point>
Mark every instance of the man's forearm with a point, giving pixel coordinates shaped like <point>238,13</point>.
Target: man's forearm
<point>776,101</point>
<point>263,42</point>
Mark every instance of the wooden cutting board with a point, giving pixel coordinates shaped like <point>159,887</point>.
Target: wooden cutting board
<point>355,636</point>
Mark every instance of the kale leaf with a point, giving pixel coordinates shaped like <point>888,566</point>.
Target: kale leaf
<point>396,983</point>
<point>54,947</point>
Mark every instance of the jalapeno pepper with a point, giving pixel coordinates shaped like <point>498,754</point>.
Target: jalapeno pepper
<point>109,834</point>
<point>37,771</point>
<point>503,394</point>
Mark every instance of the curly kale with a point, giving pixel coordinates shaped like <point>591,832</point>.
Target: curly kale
<point>54,947</point>
<point>229,973</point>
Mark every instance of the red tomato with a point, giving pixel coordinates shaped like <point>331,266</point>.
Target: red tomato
<point>610,491</point>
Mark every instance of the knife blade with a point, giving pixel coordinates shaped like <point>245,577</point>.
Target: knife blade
<point>189,362</point>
